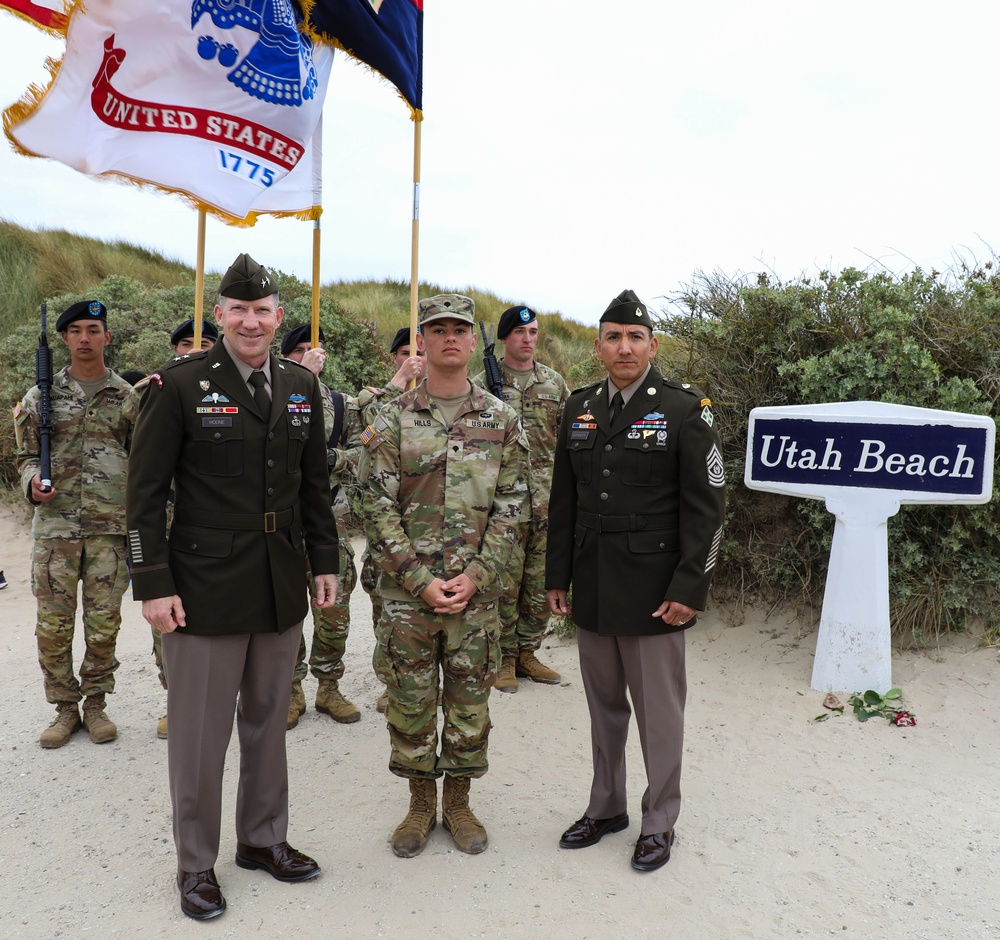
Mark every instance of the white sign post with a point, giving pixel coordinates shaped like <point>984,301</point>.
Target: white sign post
<point>865,459</point>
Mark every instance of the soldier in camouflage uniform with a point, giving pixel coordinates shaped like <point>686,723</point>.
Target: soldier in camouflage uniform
<point>79,523</point>
<point>444,470</point>
<point>537,393</point>
<point>361,413</point>
<point>331,625</point>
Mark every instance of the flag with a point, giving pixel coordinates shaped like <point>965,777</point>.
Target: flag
<point>214,99</point>
<point>387,35</point>
<point>50,15</point>
<point>300,194</point>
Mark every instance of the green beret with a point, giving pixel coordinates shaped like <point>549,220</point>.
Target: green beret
<point>447,307</point>
<point>83,310</point>
<point>247,280</point>
<point>627,308</point>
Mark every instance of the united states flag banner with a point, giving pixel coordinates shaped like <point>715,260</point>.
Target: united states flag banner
<point>49,15</point>
<point>387,35</point>
<point>214,99</point>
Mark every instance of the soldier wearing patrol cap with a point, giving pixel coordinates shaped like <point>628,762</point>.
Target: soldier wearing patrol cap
<point>79,522</point>
<point>537,393</point>
<point>635,523</point>
<point>444,471</point>
<point>240,434</point>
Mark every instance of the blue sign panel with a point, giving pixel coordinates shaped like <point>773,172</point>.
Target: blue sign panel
<point>922,458</point>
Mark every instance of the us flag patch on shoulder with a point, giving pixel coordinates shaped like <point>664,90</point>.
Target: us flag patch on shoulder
<point>367,434</point>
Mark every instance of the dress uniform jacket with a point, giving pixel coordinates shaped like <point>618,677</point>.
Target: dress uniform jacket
<point>249,491</point>
<point>637,506</point>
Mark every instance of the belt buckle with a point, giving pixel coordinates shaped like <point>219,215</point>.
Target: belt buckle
<point>270,522</point>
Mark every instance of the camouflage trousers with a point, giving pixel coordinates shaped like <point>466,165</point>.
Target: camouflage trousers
<point>416,652</point>
<point>330,626</point>
<point>58,566</point>
<point>369,581</point>
<point>524,611</point>
<point>158,654</point>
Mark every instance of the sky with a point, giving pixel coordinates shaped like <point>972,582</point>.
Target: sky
<point>572,150</point>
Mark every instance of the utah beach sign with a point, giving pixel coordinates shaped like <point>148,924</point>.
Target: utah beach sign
<point>865,459</point>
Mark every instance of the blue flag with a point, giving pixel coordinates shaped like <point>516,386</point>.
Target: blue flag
<point>387,35</point>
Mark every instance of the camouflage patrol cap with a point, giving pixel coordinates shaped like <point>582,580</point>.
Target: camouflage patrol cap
<point>447,307</point>
<point>514,316</point>
<point>299,334</point>
<point>627,308</point>
<point>402,338</point>
<point>186,329</point>
<point>83,310</point>
<point>247,280</point>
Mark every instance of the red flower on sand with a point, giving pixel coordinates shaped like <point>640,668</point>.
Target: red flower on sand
<point>904,719</point>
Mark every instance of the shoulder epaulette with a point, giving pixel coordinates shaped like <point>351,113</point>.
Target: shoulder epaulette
<point>685,387</point>
<point>587,388</point>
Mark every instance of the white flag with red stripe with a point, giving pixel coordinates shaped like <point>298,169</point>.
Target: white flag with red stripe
<point>214,99</point>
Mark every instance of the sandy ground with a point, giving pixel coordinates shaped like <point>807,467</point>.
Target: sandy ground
<point>790,827</point>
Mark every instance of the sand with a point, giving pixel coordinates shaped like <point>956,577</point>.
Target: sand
<point>790,827</point>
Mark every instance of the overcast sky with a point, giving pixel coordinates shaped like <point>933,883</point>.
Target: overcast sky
<point>571,150</point>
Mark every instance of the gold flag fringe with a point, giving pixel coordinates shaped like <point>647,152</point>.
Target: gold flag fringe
<point>58,30</point>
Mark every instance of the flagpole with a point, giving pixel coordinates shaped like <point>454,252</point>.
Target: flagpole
<point>415,239</point>
<point>199,281</point>
<point>314,334</point>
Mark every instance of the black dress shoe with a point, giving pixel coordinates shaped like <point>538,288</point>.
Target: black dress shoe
<point>201,896</point>
<point>281,861</point>
<point>586,831</point>
<point>652,852</point>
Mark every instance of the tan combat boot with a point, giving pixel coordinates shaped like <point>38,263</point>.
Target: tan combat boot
<point>383,702</point>
<point>330,701</point>
<point>467,831</point>
<point>67,721</point>
<point>296,705</point>
<point>102,729</point>
<point>411,834</point>
<point>529,666</point>
<point>506,680</point>
<point>161,728</point>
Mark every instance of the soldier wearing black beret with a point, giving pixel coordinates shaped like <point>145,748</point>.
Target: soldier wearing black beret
<point>635,523</point>
<point>182,338</point>
<point>240,433</point>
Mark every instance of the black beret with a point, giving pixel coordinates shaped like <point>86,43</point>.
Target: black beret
<point>247,280</point>
<point>186,329</point>
<point>514,316</point>
<point>627,308</point>
<point>83,310</point>
<point>402,338</point>
<point>299,334</point>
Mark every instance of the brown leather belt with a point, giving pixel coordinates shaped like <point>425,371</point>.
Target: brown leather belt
<point>245,521</point>
<point>632,523</point>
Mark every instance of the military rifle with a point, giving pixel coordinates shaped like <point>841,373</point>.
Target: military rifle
<point>43,379</point>
<point>494,380</point>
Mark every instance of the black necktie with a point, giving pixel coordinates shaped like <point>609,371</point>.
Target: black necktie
<point>260,397</point>
<point>617,403</point>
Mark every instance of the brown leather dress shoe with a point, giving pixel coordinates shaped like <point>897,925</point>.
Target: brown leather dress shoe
<point>201,896</point>
<point>652,852</point>
<point>586,831</point>
<point>281,861</point>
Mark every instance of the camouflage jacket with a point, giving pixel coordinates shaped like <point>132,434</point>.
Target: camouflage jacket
<point>89,451</point>
<point>440,501</point>
<point>344,457</point>
<point>364,408</point>
<point>540,405</point>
